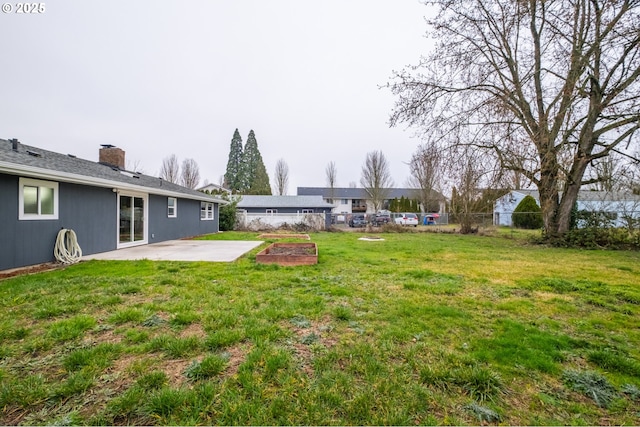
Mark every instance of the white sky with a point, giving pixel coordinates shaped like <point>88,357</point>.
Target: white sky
<point>157,78</point>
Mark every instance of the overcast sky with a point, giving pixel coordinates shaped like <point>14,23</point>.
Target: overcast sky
<point>157,78</point>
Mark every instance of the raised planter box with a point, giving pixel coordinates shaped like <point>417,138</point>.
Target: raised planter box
<point>289,254</point>
<point>283,236</point>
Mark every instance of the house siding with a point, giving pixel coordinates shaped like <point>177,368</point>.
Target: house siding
<point>186,224</point>
<point>86,210</point>
<point>92,213</point>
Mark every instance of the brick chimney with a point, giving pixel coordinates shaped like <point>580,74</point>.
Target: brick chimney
<point>112,156</point>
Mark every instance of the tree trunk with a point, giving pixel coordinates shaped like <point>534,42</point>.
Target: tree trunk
<point>571,191</point>
<point>549,197</point>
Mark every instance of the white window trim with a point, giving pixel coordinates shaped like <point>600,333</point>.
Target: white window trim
<point>175,207</point>
<point>307,211</point>
<point>271,211</point>
<point>29,182</point>
<point>209,213</point>
<point>145,213</point>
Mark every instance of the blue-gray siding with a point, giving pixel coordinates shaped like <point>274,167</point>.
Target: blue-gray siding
<point>186,224</point>
<point>92,213</point>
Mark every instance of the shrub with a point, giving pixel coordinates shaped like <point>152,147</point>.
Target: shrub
<point>227,214</point>
<point>527,214</point>
<point>593,238</point>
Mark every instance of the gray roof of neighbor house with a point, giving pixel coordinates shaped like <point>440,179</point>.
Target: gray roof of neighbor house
<point>274,202</point>
<point>361,193</point>
<point>36,162</point>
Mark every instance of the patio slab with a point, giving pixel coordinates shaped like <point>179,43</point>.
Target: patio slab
<point>181,250</point>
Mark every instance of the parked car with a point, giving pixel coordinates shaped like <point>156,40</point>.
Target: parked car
<point>407,219</point>
<point>358,220</point>
<point>381,219</point>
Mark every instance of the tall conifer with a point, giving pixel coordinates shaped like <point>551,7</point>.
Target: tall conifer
<point>254,174</point>
<point>233,175</point>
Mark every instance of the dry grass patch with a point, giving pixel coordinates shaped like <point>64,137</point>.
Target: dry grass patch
<point>193,330</point>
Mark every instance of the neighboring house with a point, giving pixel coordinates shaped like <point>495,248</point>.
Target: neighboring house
<point>357,200</point>
<point>108,207</point>
<point>214,189</point>
<point>278,210</point>
<point>615,205</point>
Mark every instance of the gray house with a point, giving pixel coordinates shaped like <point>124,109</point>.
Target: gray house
<point>261,212</point>
<point>352,200</point>
<point>107,206</point>
<point>284,204</point>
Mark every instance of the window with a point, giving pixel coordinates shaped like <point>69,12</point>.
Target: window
<point>307,211</point>
<point>38,199</point>
<point>206,211</point>
<point>271,211</point>
<point>172,207</point>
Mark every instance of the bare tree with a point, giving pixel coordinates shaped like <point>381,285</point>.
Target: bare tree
<point>190,176</point>
<point>170,170</point>
<point>281,178</point>
<point>426,168</point>
<point>561,77</point>
<point>614,173</point>
<point>376,178</point>
<point>470,174</point>
<point>135,166</point>
<point>634,175</point>
<point>332,175</point>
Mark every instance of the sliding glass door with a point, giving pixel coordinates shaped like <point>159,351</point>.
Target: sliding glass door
<point>132,212</point>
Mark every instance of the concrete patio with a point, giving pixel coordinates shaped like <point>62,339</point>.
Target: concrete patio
<point>181,250</point>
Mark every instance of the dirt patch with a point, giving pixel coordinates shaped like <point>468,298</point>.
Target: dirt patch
<point>105,336</point>
<point>237,355</point>
<point>292,250</point>
<point>315,333</point>
<point>31,269</point>
<point>175,370</point>
<point>193,330</point>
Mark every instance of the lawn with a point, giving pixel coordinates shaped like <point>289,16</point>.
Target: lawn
<point>419,328</point>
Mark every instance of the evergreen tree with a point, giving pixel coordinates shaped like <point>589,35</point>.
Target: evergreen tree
<point>254,174</point>
<point>260,184</point>
<point>403,204</point>
<point>527,214</point>
<point>233,175</point>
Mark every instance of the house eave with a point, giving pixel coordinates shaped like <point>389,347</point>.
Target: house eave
<point>54,175</point>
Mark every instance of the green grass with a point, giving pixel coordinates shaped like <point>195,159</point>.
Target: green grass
<point>419,328</point>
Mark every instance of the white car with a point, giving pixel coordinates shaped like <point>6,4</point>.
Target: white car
<point>407,219</point>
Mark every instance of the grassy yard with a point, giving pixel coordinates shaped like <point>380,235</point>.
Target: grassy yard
<point>416,329</point>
